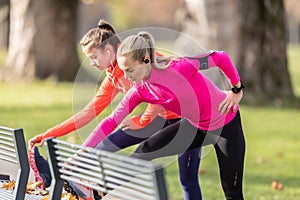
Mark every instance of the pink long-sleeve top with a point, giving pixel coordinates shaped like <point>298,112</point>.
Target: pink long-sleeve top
<point>180,88</point>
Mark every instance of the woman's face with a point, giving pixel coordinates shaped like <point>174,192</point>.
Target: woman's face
<point>99,58</point>
<point>134,70</point>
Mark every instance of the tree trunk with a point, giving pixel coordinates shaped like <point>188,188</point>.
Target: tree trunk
<point>262,48</point>
<point>252,32</point>
<point>4,23</point>
<point>42,41</point>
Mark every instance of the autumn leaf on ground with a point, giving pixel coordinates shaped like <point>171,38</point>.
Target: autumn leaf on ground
<point>260,160</point>
<point>277,185</point>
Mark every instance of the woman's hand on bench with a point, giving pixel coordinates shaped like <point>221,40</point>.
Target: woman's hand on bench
<point>34,141</point>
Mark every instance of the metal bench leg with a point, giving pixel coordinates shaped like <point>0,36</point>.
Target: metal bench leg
<point>57,183</point>
<point>23,172</point>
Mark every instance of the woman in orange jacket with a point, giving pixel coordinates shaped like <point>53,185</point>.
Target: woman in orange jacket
<point>100,46</point>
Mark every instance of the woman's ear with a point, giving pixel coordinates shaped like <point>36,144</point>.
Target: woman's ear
<point>109,50</point>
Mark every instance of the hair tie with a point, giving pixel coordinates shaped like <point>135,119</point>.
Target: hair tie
<point>105,27</point>
<point>101,26</point>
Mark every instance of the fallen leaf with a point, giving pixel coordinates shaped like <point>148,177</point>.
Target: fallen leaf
<point>9,185</point>
<point>280,154</point>
<point>33,186</point>
<point>277,185</point>
<point>260,160</point>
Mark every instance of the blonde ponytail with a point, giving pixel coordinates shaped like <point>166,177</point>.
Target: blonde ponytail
<point>150,46</point>
<point>140,45</point>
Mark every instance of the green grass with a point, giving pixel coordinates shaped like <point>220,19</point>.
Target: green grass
<point>272,135</point>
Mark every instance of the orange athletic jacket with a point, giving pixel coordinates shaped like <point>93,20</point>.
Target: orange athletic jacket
<point>113,83</point>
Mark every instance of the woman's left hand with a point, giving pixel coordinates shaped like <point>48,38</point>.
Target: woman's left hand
<point>232,100</point>
<point>130,124</point>
<point>125,125</point>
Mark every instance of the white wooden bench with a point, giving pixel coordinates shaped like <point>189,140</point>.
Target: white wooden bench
<point>13,152</point>
<point>120,177</point>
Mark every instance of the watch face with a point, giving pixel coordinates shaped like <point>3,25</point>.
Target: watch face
<point>235,90</point>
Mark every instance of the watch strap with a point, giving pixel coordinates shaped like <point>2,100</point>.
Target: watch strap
<point>236,90</point>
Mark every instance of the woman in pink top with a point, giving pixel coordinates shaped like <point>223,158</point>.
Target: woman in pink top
<point>209,115</point>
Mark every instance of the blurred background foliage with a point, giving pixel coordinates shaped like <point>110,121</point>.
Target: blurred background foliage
<point>39,39</point>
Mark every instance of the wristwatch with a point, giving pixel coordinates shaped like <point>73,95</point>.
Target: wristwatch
<point>236,90</point>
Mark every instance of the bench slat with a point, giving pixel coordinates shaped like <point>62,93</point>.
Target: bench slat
<point>69,162</point>
<point>6,194</point>
<point>80,176</point>
<point>123,164</point>
<point>7,152</point>
<point>7,137</point>
<point>125,171</point>
<point>131,185</point>
<point>126,194</point>
<point>91,172</point>
<point>137,177</point>
<point>72,152</point>
<point>14,161</point>
<point>6,129</point>
<point>11,145</point>
<point>8,149</point>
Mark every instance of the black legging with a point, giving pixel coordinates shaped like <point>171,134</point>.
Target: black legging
<point>182,136</point>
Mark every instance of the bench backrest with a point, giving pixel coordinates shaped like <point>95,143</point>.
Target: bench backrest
<point>13,150</point>
<point>120,176</point>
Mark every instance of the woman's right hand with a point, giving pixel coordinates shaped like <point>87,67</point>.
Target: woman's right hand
<point>33,141</point>
<point>231,101</point>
